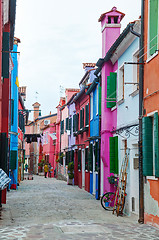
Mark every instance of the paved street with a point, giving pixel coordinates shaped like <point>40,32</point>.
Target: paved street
<point>51,209</point>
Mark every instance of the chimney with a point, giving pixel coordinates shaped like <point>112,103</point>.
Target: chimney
<point>110,24</point>
<point>36,106</point>
<point>88,66</point>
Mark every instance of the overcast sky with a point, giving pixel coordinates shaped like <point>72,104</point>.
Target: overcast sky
<point>56,38</point>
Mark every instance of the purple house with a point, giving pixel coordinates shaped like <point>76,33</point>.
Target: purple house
<point>110,23</point>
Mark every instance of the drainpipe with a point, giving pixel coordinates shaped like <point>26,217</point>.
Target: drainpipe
<point>141,79</point>
<point>141,74</point>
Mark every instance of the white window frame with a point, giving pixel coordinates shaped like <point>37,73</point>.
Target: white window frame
<point>149,57</point>
<point>121,81</point>
<point>135,71</point>
<point>152,177</point>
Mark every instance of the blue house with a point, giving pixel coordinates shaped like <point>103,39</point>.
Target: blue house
<point>94,92</point>
<point>13,164</point>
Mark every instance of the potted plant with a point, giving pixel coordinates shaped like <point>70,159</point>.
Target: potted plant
<point>70,173</point>
<point>113,180</point>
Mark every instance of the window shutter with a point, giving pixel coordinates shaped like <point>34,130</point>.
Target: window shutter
<point>66,124</point>
<point>13,160</point>
<point>12,111</point>
<point>74,122</point>
<point>72,155</point>
<point>113,154</point>
<point>99,102</point>
<point>147,146</point>
<point>5,55</point>
<point>3,151</point>
<point>66,159</point>
<point>79,159</point>
<point>81,118</point>
<point>62,127</point>
<point>96,156</point>
<point>77,121</point>
<point>90,163</point>
<point>111,90</point>
<point>156,144</point>
<point>86,158</point>
<point>70,124</point>
<point>87,115</point>
<point>153,26</point>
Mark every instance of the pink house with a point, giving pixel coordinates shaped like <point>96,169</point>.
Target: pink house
<point>110,28</point>
<point>49,134</point>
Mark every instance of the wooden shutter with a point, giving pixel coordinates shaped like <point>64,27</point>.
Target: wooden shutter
<point>66,124</point>
<point>99,102</point>
<point>80,118</point>
<point>153,26</point>
<point>5,55</point>
<point>79,159</point>
<point>147,146</point>
<point>13,160</point>
<point>3,151</point>
<point>86,158</point>
<point>90,163</point>
<point>77,121</point>
<point>87,115</point>
<point>156,144</point>
<point>70,124</point>
<point>74,122</point>
<point>72,155</point>
<point>12,111</point>
<point>111,90</point>
<point>113,154</point>
<point>96,156</point>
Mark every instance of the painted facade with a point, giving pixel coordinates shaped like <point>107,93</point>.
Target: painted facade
<point>150,114</point>
<point>13,167</point>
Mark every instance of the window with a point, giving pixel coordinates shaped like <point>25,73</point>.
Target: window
<point>91,100</point>
<point>87,115</point>
<point>97,107</point>
<point>136,71</point>
<point>79,159</point>
<point>90,157</point>
<point>111,90</point>
<point>150,145</point>
<point>62,127</point>
<point>66,124</point>
<point>121,84</point>
<point>113,154</point>
<point>86,158</point>
<point>153,27</point>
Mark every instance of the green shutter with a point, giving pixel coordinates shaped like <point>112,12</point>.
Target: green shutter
<point>5,55</point>
<point>86,158</point>
<point>153,26</point>
<point>3,151</point>
<point>80,118</point>
<point>113,154</point>
<point>79,159</point>
<point>72,155</point>
<point>74,122</point>
<point>13,160</point>
<point>66,124</point>
<point>77,121</point>
<point>99,100</point>
<point>12,111</point>
<point>147,146</point>
<point>70,124</point>
<point>62,126</point>
<point>90,162</point>
<point>156,144</point>
<point>87,115</point>
<point>111,90</point>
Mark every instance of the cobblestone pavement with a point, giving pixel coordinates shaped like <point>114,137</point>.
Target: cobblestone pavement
<point>50,209</point>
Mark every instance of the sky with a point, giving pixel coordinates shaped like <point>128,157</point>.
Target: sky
<point>56,38</point>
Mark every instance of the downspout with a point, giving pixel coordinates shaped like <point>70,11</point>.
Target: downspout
<point>141,79</point>
<point>141,74</point>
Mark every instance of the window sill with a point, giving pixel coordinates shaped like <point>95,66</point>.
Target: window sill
<point>133,94</point>
<point>151,57</point>
<point>120,102</point>
<point>151,178</point>
<point>113,108</point>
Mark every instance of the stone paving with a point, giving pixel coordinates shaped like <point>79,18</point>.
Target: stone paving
<point>50,209</point>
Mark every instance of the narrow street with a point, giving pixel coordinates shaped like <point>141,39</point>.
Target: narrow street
<point>51,209</point>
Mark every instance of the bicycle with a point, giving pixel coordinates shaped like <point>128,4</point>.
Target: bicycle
<point>108,199</point>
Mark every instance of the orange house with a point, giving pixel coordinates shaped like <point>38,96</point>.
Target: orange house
<point>150,134</point>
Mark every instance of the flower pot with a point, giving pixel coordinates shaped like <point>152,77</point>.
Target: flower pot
<point>106,204</point>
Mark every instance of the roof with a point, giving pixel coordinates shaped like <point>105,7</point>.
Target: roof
<point>110,52</point>
<point>80,93</point>
<point>114,9</point>
<point>92,86</point>
<point>41,118</point>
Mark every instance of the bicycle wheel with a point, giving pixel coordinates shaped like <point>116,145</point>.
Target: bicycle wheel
<point>107,201</point>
